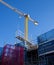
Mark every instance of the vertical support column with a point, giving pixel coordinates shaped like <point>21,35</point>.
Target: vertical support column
<point>26,27</point>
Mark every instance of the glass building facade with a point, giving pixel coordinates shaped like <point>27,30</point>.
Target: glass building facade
<point>46,48</point>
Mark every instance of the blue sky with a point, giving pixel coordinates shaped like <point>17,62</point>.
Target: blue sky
<point>40,10</point>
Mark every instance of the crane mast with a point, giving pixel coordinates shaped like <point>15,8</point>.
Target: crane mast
<point>27,17</point>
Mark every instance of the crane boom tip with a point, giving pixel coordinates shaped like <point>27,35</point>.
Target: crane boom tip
<point>36,23</point>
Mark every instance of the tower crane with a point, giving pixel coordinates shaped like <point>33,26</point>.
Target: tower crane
<point>26,16</point>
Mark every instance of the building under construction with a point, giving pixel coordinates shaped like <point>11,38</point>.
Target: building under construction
<point>41,55</point>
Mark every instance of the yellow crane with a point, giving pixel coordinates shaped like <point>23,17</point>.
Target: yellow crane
<point>27,17</point>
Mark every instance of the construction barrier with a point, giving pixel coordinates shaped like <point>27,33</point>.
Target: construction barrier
<point>12,55</point>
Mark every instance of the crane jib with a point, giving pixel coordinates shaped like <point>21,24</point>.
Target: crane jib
<point>18,12</point>
<point>12,8</point>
